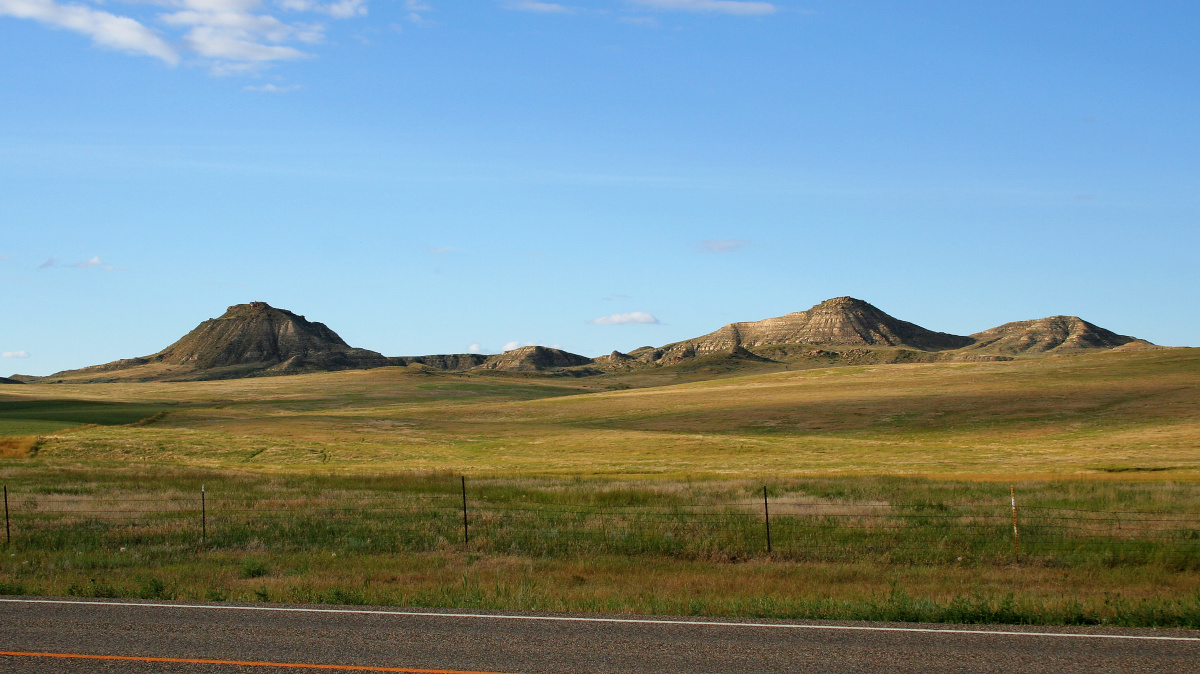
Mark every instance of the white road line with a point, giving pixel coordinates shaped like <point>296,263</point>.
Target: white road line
<point>636,621</point>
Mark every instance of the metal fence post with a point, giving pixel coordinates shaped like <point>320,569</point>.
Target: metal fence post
<point>466,533</point>
<point>203,517</point>
<point>1012,492</point>
<point>767,517</point>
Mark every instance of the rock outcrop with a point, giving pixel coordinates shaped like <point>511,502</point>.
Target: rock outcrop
<point>534,359</point>
<point>1054,334</point>
<point>259,334</point>
<point>841,321</point>
<point>445,361</point>
<point>257,339</point>
<point>248,339</point>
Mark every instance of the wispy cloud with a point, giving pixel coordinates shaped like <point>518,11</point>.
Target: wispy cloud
<point>631,318</point>
<point>273,88</point>
<point>107,30</point>
<point>722,245</point>
<point>415,10</point>
<point>338,10</point>
<point>14,354</point>
<point>516,345</point>
<point>736,7</point>
<point>93,262</point>
<point>228,36</point>
<point>537,7</point>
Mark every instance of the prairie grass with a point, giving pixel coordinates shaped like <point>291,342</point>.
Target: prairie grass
<point>641,493</point>
<point>1130,415</point>
<point>18,447</point>
<point>612,545</point>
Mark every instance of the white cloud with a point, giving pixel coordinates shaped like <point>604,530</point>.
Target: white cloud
<point>722,245</point>
<point>538,7</point>
<point>631,318</point>
<point>14,354</point>
<point>233,44</point>
<point>344,9</point>
<point>516,345</point>
<point>415,7</point>
<point>94,262</point>
<point>272,88</point>
<point>737,7</point>
<point>231,37</point>
<point>474,348</point>
<point>52,262</point>
<point>106,30</point>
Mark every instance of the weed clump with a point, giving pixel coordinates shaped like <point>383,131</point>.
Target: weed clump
<point>253,568</point>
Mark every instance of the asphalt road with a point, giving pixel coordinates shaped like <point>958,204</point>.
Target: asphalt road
<point>268,638</point>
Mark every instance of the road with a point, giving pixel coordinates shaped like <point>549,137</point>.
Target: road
<point>225,638</point>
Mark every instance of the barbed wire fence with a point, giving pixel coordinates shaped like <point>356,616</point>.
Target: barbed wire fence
<point>791,526</point>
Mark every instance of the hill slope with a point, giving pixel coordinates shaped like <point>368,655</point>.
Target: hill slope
<point>841,321</point>
<point>248,339</point>
<point>256,338</point>
<point>1059,334</point>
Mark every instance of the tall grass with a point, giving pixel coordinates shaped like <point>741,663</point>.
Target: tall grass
<point>1097,551</point>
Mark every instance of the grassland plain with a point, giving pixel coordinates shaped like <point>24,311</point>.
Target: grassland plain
<point>1106,432</point>
<point>1103,414</point>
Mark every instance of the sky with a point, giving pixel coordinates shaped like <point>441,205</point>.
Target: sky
<point>427,176</point>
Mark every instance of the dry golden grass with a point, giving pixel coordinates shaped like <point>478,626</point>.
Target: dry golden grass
<point>1130,415</point>
<point>19,447</point>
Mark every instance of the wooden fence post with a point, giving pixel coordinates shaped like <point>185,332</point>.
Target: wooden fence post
<point>1012,492</point>
<point>466,533</point>
<point>767,517</point>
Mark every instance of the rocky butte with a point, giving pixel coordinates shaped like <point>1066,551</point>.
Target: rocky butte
<point>257,339</point>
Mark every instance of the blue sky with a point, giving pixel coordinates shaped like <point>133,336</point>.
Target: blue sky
<point>431,176</point>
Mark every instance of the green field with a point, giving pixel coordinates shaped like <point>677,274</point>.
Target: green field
<point>640,492</point>
<point>32,416</point>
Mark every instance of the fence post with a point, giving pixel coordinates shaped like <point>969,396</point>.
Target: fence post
<point>767,517</point>
<point>1012,492</point>
<point>203,517</point>
<point>466,534</point>
<point>7,528</point>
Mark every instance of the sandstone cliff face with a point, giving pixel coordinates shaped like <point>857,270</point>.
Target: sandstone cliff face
<point>841,321</point>
<point>1054,334</point>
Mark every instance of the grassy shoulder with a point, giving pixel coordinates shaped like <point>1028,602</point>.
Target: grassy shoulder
<point>755,588</point>
<point>903,548</point>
